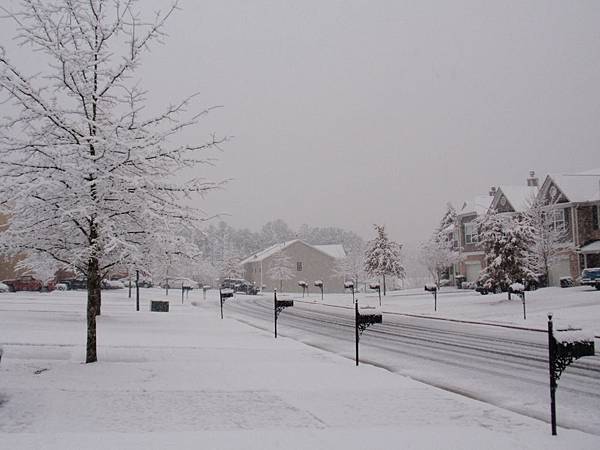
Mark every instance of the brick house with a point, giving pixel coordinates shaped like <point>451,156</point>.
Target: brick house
<point>577,198</point>
<point>466,237</point>
<point>309,263</point>
<point>503,199</point>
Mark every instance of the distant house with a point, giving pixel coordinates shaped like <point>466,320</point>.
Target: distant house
<point>577,200</point>
<point>467,236</point>
<point>308,263</point>
<point>503,199</point>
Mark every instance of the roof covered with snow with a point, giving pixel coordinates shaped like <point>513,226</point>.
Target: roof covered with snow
<point>479,205</point>
<point>579,187</point>
<point>269,251</point>
<point>593,247</point>
<point>519,197</point>
<point>333,250</point>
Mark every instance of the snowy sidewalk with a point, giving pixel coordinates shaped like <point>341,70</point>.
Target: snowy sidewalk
<point>186,379</point>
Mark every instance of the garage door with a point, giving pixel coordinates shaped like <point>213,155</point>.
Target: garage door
<point>473,270</point>
<point>561,268</point>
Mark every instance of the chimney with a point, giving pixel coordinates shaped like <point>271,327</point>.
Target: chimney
<point>492,191</point>
<point>532,181</point>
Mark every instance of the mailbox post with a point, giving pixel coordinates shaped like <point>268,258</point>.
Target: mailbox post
<point>319,284</point>
<point>350,285</point>
<point>137,290</point>
<point>376,287</point>
<point>361,323</point>
<point>434,290</point>
<point>224,294</point>
<point>278,306</point>
<point>564,347</point>
<point>519,289</point>
<point>304,287</point>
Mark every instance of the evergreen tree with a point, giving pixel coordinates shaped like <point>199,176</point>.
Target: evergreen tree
<point>506,240</point>
<point>382,257</point>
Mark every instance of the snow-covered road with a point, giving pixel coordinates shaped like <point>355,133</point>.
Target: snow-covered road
<point>502,366</point>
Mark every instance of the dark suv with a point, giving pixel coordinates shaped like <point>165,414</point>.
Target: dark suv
<point>239,285</point>
<point>591,277</point>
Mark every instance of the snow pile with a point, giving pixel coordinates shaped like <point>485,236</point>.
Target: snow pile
<point>572,336</point>
<point>517,287</point>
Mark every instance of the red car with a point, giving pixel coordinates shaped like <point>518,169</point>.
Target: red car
<point>24,283</point>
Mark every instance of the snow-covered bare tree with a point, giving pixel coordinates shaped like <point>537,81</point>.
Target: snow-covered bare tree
<point>383,257</point>
<point>352,266</point>
<point>87,176</point>
<point>549,239</point>
<point>440,252</point>
<point>231,268</point>
<point>281,268</point>
<point>506,240</point>
<point>41,266</point>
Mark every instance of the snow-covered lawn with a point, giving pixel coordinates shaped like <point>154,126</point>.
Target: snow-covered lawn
<point>186,379</point>
<point>577,306</point>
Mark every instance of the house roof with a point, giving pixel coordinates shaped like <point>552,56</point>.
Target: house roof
<point>593,247</point>
<point>259,256</point>
<point>479,205</point>
<point>333,250</point>
<point>519,197</point>
<point>579,187</point>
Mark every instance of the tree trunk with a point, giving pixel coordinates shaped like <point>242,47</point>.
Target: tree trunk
<point>98,297</point>
<point>384,289</point>
<point>93,288</point>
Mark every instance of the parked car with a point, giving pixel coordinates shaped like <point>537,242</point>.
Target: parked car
<point>177,283</point>
<point>144,282</point>
<point>24,283</point>
<point>112,284</point>
<point>591,277</point>
<point>4,288</point>
<point>75,283</point>
<point>239,285</point>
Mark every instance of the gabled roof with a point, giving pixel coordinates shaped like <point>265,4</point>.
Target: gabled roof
<point>519,197</point>
<point>578,187</point>
<point>259,256</point>
<point>333,250</point>
<point>479,205</point>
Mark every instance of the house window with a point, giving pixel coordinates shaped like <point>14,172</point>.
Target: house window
<point>471,236</point>
<point>557,220</point>
<point>455,239</point>
<point>299,266</point>
<point>596,217</point>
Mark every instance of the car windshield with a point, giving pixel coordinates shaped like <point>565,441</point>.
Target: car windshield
<point>591,272</point>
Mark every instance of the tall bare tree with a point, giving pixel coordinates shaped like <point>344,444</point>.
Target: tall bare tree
<point>86,175</point>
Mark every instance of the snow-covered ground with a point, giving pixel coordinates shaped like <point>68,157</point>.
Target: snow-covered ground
<point>577,306</point>
<point>186,379</point>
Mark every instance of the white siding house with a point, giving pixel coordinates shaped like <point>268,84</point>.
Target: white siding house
<point>308,263</point>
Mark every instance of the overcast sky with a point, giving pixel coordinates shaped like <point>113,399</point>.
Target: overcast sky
<point>350,113</point>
